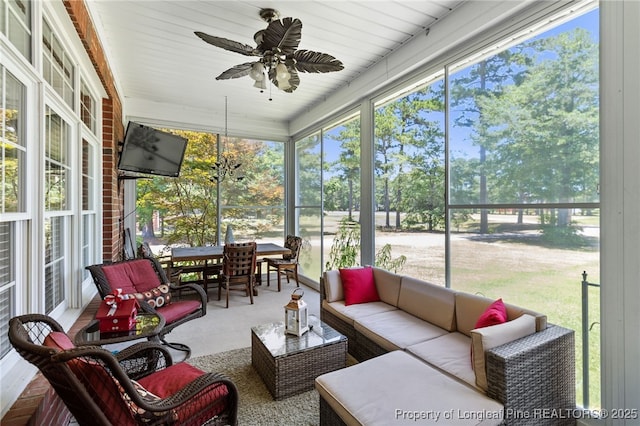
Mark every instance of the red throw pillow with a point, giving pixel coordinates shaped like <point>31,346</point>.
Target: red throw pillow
<point>58,340</point>
<point>495,314</point>
<point>358,285</point>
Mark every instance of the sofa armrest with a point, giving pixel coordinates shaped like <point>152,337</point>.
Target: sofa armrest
<point>534,377</point>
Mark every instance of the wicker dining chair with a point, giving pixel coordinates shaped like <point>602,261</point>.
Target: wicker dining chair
<point>138,385</point>
<point>238,269</point>
<point>288,264</point>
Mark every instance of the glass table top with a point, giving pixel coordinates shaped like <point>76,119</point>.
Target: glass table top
<point>147,325</point>
<point>278,343</point>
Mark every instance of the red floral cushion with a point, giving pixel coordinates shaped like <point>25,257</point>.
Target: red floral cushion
<point>495,314</point>
<point>358,285</point>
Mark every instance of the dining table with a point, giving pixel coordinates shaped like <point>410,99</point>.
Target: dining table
<point>214,253</point>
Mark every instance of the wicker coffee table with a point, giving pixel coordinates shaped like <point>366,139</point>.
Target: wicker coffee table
<point>289,364</point>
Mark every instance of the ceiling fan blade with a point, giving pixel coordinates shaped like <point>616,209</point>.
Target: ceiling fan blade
<point>283,33</point>
<point>310,61</point>
<point>236,71</point>
<point>233,46</point>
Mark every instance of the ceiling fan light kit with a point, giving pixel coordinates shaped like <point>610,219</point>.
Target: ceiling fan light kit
<point>279,61</point>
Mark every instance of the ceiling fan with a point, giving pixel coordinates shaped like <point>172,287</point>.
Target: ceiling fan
<point>279,58</point>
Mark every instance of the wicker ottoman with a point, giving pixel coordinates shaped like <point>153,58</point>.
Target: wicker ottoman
<point>289,364</point>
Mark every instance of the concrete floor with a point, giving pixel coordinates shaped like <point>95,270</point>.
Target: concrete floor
<point>223,329</point>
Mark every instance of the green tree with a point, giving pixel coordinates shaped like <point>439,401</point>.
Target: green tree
<point>347,167</point>
<point>543,133</point>
<point>187,204</point>
<point>408,140</point>
<point>485,79</point>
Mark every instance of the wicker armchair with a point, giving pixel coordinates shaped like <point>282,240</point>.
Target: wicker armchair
<point>139,385</point>
<point>288,264</point>
<point>143,277</point>
<point>238,269</point>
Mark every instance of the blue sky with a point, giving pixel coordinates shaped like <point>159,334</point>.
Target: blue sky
<point>588,21</point>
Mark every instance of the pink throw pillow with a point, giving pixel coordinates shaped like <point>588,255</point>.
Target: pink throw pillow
<point>358,285</point>
<point>495,314</point>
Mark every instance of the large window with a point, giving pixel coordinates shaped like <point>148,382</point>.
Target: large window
<point>486,178</point>
<point>410,182</point>
<point>341,186</point>
<point>88,206</point>
<point>254,205</point>
<point>195,208</point>
<point>13,192</point>
<point>88,108</point>
<point>524,179</point>
<point>57,66</point>
<point>13,150</point>
<point>328,194</point>
<point>308,203</point>
<point>57,162</point>
<point>15,23</point>
<point>57,203</point>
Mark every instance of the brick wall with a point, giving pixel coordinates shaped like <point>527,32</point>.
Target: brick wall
<point>112,132</point>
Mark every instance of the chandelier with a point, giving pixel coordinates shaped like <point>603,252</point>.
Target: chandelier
<point>225,166</point>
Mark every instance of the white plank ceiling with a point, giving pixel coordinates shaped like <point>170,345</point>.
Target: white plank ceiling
<point>163,70</point>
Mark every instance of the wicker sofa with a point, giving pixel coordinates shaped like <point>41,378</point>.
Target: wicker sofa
<point>422,361</point>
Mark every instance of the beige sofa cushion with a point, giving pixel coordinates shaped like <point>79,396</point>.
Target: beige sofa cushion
<point>469,307</point>
<point>450,353</point>
<point>430,302</point>
<point>388,285</point>
<point>389,389</point>
<point>333,286</point>
<point>396,329</point>
<point>350,313</point>
<point>483,339</point>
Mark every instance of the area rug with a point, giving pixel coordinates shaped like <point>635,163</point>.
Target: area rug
<point>257,406</point>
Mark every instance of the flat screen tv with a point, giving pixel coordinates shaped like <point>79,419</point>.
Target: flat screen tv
<point>151,151</point>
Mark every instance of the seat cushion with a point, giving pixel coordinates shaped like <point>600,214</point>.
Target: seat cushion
<point>450,353</point>
<point>169,381</point>
<point>178,309</point>
<point>396,329</point>
<point>349,313</point>
<point>396,389</point>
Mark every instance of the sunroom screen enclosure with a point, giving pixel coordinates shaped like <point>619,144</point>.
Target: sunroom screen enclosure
<point>486,178</point>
